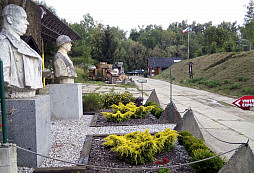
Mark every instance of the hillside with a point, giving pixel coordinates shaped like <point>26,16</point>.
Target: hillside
<point>224,73</point>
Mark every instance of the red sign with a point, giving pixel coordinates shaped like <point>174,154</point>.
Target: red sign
<point>245,102</point>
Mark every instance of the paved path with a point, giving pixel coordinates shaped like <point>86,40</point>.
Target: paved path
<point>225,122</point>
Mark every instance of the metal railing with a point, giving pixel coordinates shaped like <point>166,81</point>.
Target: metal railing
<point>3,109</point>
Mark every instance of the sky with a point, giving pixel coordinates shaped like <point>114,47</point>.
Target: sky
<point>129,14</point>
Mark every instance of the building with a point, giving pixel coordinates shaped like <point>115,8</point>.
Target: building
<point>157,65</point>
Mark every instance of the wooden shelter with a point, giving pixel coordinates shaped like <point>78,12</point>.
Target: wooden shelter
<point>157,65</point>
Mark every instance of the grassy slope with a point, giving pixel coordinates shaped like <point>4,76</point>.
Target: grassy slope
<point>234,71</point>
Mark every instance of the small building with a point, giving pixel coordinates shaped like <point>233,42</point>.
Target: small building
<point>157,65</point>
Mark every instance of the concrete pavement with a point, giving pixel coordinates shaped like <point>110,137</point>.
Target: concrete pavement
<point>221,120</point>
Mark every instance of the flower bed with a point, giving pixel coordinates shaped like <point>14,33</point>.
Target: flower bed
<point>102,160</point>
<point>100,120</point>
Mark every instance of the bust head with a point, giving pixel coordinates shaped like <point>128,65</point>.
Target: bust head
<point>14,20</point>
<point>63,42</point>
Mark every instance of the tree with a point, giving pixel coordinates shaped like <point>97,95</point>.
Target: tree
<point>248,31</point>
<point>137,58</point>
<point>109,46</point>
<point>96,43</point>
<point>216,35</point>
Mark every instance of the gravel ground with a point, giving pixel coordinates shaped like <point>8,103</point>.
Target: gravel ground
<point>68,137</point>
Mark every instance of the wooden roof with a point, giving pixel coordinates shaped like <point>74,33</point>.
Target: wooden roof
<point>162,62</point>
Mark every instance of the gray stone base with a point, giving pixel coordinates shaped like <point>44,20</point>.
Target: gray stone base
<point>153,97</point>
<point>189,123</point>
<point>241,161</point>
<point>29,128</point>
<point>66,101</point>
<point>8,160</point>
<point>165,116</point>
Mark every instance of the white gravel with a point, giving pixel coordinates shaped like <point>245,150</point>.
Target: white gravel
<point>67,138</point>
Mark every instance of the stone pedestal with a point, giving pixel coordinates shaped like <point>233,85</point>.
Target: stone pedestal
<point>8,160</point>
<point>66,101</point>
<point>29,127</point>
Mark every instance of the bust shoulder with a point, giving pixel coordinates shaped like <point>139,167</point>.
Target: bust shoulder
<point>2,37</point>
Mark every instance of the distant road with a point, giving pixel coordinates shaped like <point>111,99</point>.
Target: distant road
<point>221,120</point>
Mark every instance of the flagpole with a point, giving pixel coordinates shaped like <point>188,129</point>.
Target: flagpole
<point>188,45</point>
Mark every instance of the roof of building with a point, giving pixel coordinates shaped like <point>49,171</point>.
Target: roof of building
<point>52,27</point>
<point>162,62</point>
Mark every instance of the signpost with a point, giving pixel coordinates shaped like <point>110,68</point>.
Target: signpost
<point>245,102</point>
<point>142,81</point>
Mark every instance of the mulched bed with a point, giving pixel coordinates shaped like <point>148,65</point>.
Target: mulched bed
<point>99,120</point>
<point>102,157</point>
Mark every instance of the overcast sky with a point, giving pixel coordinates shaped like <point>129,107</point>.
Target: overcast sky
<point>128,14</point>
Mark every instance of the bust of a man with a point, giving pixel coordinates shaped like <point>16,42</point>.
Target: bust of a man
<point>63,67</point>
<point>21,64</point>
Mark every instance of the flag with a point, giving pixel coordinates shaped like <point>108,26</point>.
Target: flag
<point>186,30</point>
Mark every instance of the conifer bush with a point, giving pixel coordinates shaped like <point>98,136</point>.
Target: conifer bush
<point>188,141</point>
<point>123,112</point>
<point>140,147</point>
<point>209,166</point>
<point>116,98</point>
<point>92,102</point>
<point>181,135</point>
<point>156,111</point>
<point>198,151</point>
<point>118,116</point>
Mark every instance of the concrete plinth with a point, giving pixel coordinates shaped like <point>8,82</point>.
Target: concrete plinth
<point>189,123</point>
<point>29,127</point>
<point>8,160</point>
<point>241,161</point>
<point>66,101</point>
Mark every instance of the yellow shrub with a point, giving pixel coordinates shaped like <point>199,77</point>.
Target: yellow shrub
<point>140,147</point>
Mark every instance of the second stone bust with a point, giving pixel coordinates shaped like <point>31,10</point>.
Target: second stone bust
<point>63,67</point>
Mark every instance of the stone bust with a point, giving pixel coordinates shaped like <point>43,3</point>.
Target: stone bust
<point>63,67</point>
<point>21,64</point>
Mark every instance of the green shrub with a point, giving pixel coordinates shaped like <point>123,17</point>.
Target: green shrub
<point>181,135</point>
<point>77,60</point>
<point>115,98</point>
<point>208,166</point>
<point>188,141</point>
<point>243,78</point>
<point>248,91</point>
<point>92,102</point>
<point>164,170</point>
<point>235,85</point>
<point>226,81</point>
<point>150,103</point>
<point>139,147</point>
<point>196,146</point>
<point>198,151</point>
<point>212,83</point>
<point>156,111</point>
